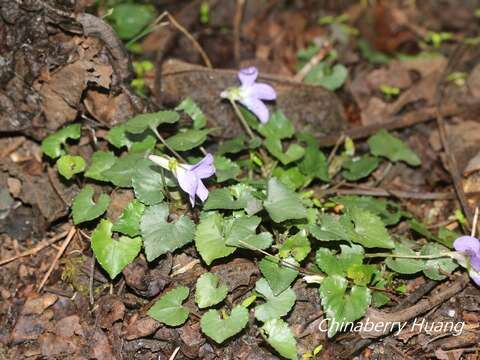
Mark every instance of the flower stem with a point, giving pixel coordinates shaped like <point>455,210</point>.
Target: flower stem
<point>431,256</point>
<point>242,119</point>
<point>281,261</point>
<point>162,140</point>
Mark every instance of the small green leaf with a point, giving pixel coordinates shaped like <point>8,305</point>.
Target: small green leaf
<point>386,145</point>
<point>129,222</point>
<point>232,146</point>
<point>209,238</point>
<point>359,168</point>
<point>242,230</point>
<point>208,291</point>
<point>147,183</point>
<point>169,310</point>
<point>293,153</point>
<point>297,246</point>
<point>117,137</point>
<point>52,144</point>
<point>370,230</point>
<point>194,111</point>
<point>279,276</point>
<point>161,236</point>
<point>292,177</point>
<point>100,162</point>
<point>277,333</point>
<point>221,329</point>
<point>404,265</point>
<point>315,163</point>
<point>69,165</point>
<point>111,254</point>
<point>436,269</point>
<point>225,169</point>
<point>275,306</point>
<point>235,197</point>
<point>124,169</point>
<point>188,139</point>
<point>361,274</point>
<point>379,299</point>
<point>333,264</point>
<point>327,76</point>
<point>333,227</point>
<point>388,211</point>
<point>129,19</point>
<point>283,204</point>
<point>340,306</point>
<point>278,127</point>
<point>143,122</point>
<point>83,207</point>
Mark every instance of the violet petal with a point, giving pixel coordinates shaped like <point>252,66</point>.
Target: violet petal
<point>204,168</point>
<point>188,181</point>
<point>262,91</point>
<point>257,107</point>
<point>247,76</point>
<point>202,191</point>
<point>467,244</point>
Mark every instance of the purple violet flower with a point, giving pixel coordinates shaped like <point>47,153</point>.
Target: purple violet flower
<point>251,94</point>
<point>468,255</point>
<point>189,176</point>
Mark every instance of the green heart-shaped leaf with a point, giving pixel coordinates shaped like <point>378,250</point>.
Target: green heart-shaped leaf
<point>52,144</point>
<point>142,122</point>
<point>276,306</point>
<point>161,236</point>
<point>101,161</point>
<point>209,238</point>
<point>69,165</point>
<point>129,222</point>
<point>340,306</point>
<point>221,329</point>
<point>277,333</point>
<point>208,290</point>
<point>169,310</point>
<point>83,207</point>
<point>282,203</point>
<point>111,254</point>
<point>386,145</point>
<point>279,277</point>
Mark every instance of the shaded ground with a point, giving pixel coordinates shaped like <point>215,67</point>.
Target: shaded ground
<point>59,65</point>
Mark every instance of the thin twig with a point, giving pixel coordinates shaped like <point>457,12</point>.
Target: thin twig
<point>69,237</point>
<point>237,22</point>
<point>174,354</point>
<point>338,142</point>
<point>42,245</point>
<point>475,221</point>
<point>185,32</point>
<point>90,280</point>
<point>313,61</point>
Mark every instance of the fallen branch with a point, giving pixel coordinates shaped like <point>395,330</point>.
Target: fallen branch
<point>395,122</point>
<point>394,193</point>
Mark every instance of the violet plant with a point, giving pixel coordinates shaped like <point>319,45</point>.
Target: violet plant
<point>261,198</point>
